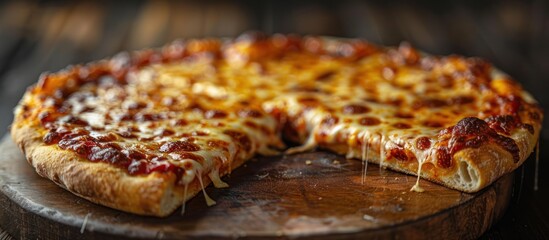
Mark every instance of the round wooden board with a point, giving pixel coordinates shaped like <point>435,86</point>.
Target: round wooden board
<point>300,196</point>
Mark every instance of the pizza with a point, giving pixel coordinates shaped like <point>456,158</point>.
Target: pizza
<point>145,132</point>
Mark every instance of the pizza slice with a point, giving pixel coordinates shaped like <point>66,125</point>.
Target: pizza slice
<point>143,147</point>
<point>145,132</point>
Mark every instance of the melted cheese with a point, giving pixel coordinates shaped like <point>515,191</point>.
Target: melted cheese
<point>364,155</point>
<point>317,93</point>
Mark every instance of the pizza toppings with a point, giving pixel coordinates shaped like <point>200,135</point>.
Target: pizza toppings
<point>401,154</point>
<point>423,143</point>
<point>355,109</point>
<point>471,132</point>
<point>185,146</point>
<point>505,124</point>
<point>468,133</point>
<point>369,121</point>
<point>215,114</point>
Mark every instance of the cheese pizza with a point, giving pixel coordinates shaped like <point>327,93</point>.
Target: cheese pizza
<point>147,131</point>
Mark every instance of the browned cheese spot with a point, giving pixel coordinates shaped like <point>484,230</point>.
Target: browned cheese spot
<point>369,121</point>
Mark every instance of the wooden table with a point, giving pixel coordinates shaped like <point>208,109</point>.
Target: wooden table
<point>393,210</point>
<point>309,195</point>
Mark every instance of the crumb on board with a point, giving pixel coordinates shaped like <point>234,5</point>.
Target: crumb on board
<point>261,176</point>
<point>368,217</point>
<point>336,162</point>
<point>308,162</point>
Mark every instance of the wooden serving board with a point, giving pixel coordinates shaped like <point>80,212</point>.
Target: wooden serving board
<point>307,195</point>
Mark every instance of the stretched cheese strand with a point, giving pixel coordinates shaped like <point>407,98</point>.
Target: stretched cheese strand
<point>314,119</point>
<point>209,201</point>
<point>416,187</point>
<point>351,142</point>
<point>365,151</point>
<point>84,223</point>
<point>309,144</point>
<point>186,179</point>
<point>184,199</point>
<point>214,176</point>
<point>382,156</point>
<point>190,174</point>
<point>350,153</point>
<point>421,157</point>
<point>232,155</point>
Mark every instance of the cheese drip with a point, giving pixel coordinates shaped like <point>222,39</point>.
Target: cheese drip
<point>184,198</point>
<point>195,171</point>
<point>416,187</point>
<point>214,176</point>
<point>364,155</point>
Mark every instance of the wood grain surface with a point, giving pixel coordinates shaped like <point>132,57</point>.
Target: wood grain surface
<point>300,196</point>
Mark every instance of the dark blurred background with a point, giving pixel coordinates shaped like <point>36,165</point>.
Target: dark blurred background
<point>38,36</point>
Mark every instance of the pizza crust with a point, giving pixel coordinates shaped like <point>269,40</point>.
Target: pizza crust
<point>155,194</point>
<point>476,168</point>
<point>473,168</point>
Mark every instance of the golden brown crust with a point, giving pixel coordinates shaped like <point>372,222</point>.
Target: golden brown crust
<point>97,182</point>
<point>154,194</point>
<point>474,168</point>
